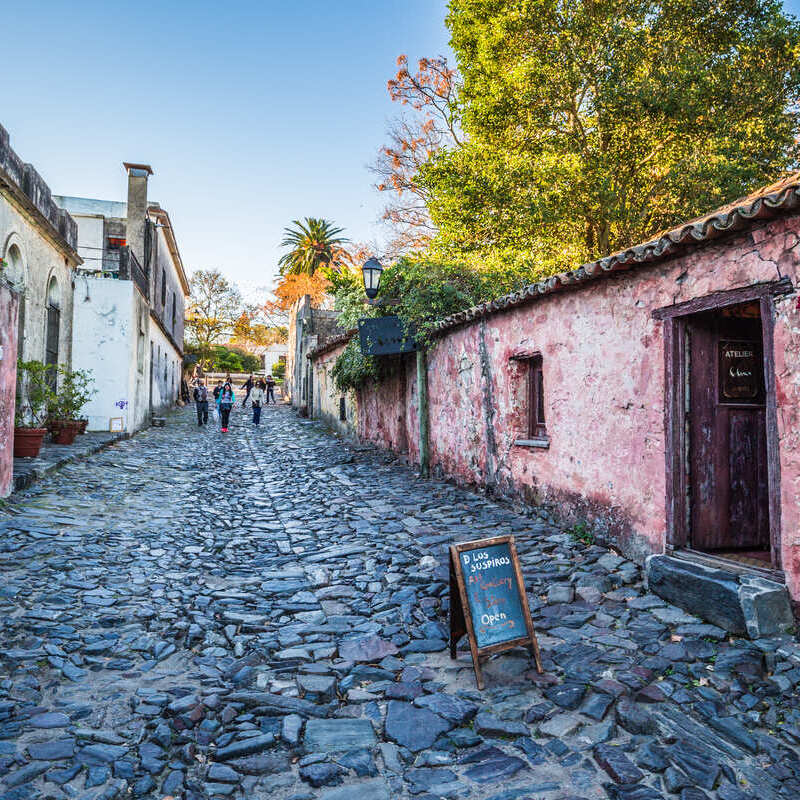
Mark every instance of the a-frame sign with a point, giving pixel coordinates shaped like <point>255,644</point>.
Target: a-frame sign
<point>488,601</point>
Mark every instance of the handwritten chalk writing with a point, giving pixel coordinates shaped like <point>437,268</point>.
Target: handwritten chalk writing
<point>494,584</point>
<point>492,593</point>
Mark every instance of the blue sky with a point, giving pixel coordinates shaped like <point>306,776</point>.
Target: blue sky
<point>251,113</point>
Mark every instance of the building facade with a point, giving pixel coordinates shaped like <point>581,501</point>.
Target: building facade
<point>308,328</point>
<point>38,243</point>
<point>130,301</point>
<point>654,393</point>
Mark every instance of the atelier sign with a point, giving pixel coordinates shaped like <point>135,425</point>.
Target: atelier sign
<point>488,601</point>
<point>739,371</point>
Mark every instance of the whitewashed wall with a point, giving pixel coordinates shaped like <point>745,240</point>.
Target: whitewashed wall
<point>166,368</point>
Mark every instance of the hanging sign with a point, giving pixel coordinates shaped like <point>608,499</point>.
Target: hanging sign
<point>488,601</point>
<point>383,336</point>
<point>740,371</point>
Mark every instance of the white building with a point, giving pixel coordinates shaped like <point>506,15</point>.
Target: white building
<point>273,354</point>
<point>129,304</point>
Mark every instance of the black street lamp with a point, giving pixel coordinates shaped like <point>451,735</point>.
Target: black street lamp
<point>371,271</point>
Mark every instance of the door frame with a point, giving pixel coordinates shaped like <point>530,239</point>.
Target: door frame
<point>675,319</point>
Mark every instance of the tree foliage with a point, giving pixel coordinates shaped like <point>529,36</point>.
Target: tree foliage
<point>422,290</point>
<point>291,288</point>
<point>312,243</point>
<point>589,126</point>
<point>430,124</point>
<point>214,306</point>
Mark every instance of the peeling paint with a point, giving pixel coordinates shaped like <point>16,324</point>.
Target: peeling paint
<point>8,383</point>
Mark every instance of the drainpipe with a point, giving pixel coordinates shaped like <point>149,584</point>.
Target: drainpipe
<point>422,413</point>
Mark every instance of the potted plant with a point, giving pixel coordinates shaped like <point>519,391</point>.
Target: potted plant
<point>34,397</point>
<point>74,392</point>
<point>79,385</point>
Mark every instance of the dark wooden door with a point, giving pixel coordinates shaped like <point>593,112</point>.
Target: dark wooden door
<point>727,431</point>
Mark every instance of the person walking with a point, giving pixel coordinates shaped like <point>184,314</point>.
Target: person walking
<point>270,389</point>
<point>227,397</point>
<point>257,398</point>
<point>200,395</point>
<point>247,386</point>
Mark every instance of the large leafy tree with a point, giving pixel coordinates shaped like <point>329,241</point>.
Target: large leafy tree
<point>214,306</point>
<point>312,243</point>
<point>591,125</point>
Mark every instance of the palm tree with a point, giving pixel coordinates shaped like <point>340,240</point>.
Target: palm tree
<point>314,243</point>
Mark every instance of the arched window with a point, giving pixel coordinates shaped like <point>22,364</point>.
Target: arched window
<point>53,329</point>
<point>15,272</point>
<point>163,289</point>
<point>173,312</point>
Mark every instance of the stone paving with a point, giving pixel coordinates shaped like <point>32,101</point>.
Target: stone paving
<point>52,456</point>
<point>264,615</point>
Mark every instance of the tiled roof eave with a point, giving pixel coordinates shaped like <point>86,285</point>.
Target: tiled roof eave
<point>713,226</point>
<point>331,344</point>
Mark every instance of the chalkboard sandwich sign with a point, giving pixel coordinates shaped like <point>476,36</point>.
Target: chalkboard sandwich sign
<point>488,601</point>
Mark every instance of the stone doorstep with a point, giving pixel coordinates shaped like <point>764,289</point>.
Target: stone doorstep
<point>741,604</point>
<point>52,457</point>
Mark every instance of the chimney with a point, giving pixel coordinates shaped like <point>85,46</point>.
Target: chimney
<point>137,208</point>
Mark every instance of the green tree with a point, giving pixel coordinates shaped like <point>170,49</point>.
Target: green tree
<point>312,243</point>
<point>591,125</point>
<point>214,306</point>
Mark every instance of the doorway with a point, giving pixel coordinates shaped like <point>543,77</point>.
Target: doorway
<point>722,445</point>
<point>727,442</point>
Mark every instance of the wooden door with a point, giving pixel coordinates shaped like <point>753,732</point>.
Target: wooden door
<point>728,483</point>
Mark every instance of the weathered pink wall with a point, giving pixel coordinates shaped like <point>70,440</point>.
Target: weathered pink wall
<point>387,411</point>
<point>8,384</point>
<point>604,392</point>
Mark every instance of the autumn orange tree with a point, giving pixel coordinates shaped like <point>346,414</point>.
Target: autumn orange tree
<point>430,124</point>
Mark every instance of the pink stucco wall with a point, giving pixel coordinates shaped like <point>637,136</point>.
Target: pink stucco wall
<point>8,384</point>
<point>603,357</point>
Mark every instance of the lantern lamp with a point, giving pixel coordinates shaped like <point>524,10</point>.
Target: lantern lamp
<point>371,271</point>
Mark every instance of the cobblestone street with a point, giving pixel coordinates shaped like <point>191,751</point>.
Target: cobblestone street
<point>264,615</point>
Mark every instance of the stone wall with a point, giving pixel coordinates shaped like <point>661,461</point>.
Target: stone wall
<point>37,241</point>
<point>328,403</point>
<point>603,364</point>
<point>8,382</point>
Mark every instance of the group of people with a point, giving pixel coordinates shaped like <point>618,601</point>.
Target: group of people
<point>258,392</point>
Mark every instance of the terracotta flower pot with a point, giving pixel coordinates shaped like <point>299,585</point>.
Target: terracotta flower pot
<point>28,442</point>
<point>66,433</point>
<point>55,425</point>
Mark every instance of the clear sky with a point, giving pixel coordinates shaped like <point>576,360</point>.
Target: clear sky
<point>251,112</point>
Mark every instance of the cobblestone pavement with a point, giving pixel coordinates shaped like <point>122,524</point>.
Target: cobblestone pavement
<point>263,615</point>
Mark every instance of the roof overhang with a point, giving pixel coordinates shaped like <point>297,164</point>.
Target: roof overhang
<point>172,244</point>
